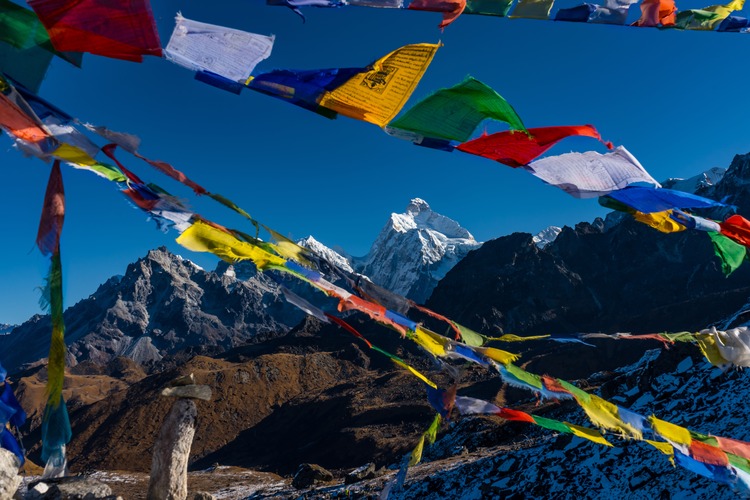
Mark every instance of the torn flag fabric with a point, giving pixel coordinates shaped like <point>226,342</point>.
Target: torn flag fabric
<point>612,12</point>
<point>227,52</point>
<point>451,9</point>
<point>590,174</point>
<point>377,95</point>
<point>532,9</point>
<point>454,113</point>
<point>649,199</point>
<point>488,7</point>
<point>657,13</point>
<point>517,149</point>
<point>121,29</point>
<point>577,14</point>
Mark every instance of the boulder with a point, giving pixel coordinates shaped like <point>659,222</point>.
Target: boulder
<point>307,474</point>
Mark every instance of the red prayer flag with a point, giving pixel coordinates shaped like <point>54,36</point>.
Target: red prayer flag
<point>518,416</point>
<point>121,29</point>
<point>553,385</point>
<point>53,213</point>
<point>736,228</point>
<point>517,149</point>
<point>451,9</point>
<point>708,454</point>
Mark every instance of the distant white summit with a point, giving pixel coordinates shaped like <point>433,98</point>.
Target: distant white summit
<point>546,236</point>
<point>704,179</point>
<point>413,251</point>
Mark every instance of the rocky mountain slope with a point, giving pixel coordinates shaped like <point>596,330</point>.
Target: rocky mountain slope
<point>162,304</point>
<point>600,277</point>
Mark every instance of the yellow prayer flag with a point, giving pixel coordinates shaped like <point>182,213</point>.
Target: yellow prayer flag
<point>707,344</point>
<point>416,373</point>
<point>509,337</point>
<point>376,96</point>
<point>430,341</point>
<point>416,454</point>
<point>586,433</point>
<point>670,432</point>
<point>604,414</point>
<point>502,357</point>
<point>202,237</point>
<point>659,221</point>
<point>73,154</point>
<point>665,448</point>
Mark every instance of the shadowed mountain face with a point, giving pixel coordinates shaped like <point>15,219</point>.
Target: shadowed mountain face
<point>162,304</point>
<point>600,277</point>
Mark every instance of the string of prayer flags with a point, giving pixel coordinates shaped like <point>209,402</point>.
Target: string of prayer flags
<point>56,431</point>
<point>226,52</point>
<point>516,150</point>
<point>650,199</point>
<point>451,9</point>
<point>454,113</point>
<point>120,29</point>
<point>590,174</point>
<point>377,95</point>
<point>473,406</point>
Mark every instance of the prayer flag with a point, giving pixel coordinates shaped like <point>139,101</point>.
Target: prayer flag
<point>590,174</point>
<point>230,53</point>
<point>518,149</point>
<point>657,13</point>
<point>377,95</point>
<point>731,254</point>
<point>488,7</point>
<point>649,199</point>
<point>737,228</point>
<point>532,9</point>
<point>454,113</point>
<point>121,29</point>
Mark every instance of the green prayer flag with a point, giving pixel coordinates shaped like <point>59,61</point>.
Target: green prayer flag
<point>488,7</point>
<point>469,336</point>
<point>553,425</point>
<point>454,113</point>
<point>524,376</point>
<point>731,253</point>
<point>694,19</point>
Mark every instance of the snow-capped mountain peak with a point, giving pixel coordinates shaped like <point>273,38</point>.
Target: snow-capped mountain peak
<point>546,236</point>
<point>331,256</point>
<point>416,249</point>
<point>705,179</point>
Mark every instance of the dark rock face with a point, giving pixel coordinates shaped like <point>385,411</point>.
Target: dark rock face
<point>307,474</point>
<point>629,278</point>
<point>163,304</point>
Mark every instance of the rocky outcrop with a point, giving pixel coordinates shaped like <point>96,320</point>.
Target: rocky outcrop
<point>161,305</point>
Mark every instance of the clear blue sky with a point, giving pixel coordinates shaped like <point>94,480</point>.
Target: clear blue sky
<point>676,100</point>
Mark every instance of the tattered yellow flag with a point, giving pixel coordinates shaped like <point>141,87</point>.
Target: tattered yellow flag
<point>586,433</point>
<point>202,237</point>
<point>376,96</point>
<point>661,221</point>
<point>670,432</point>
